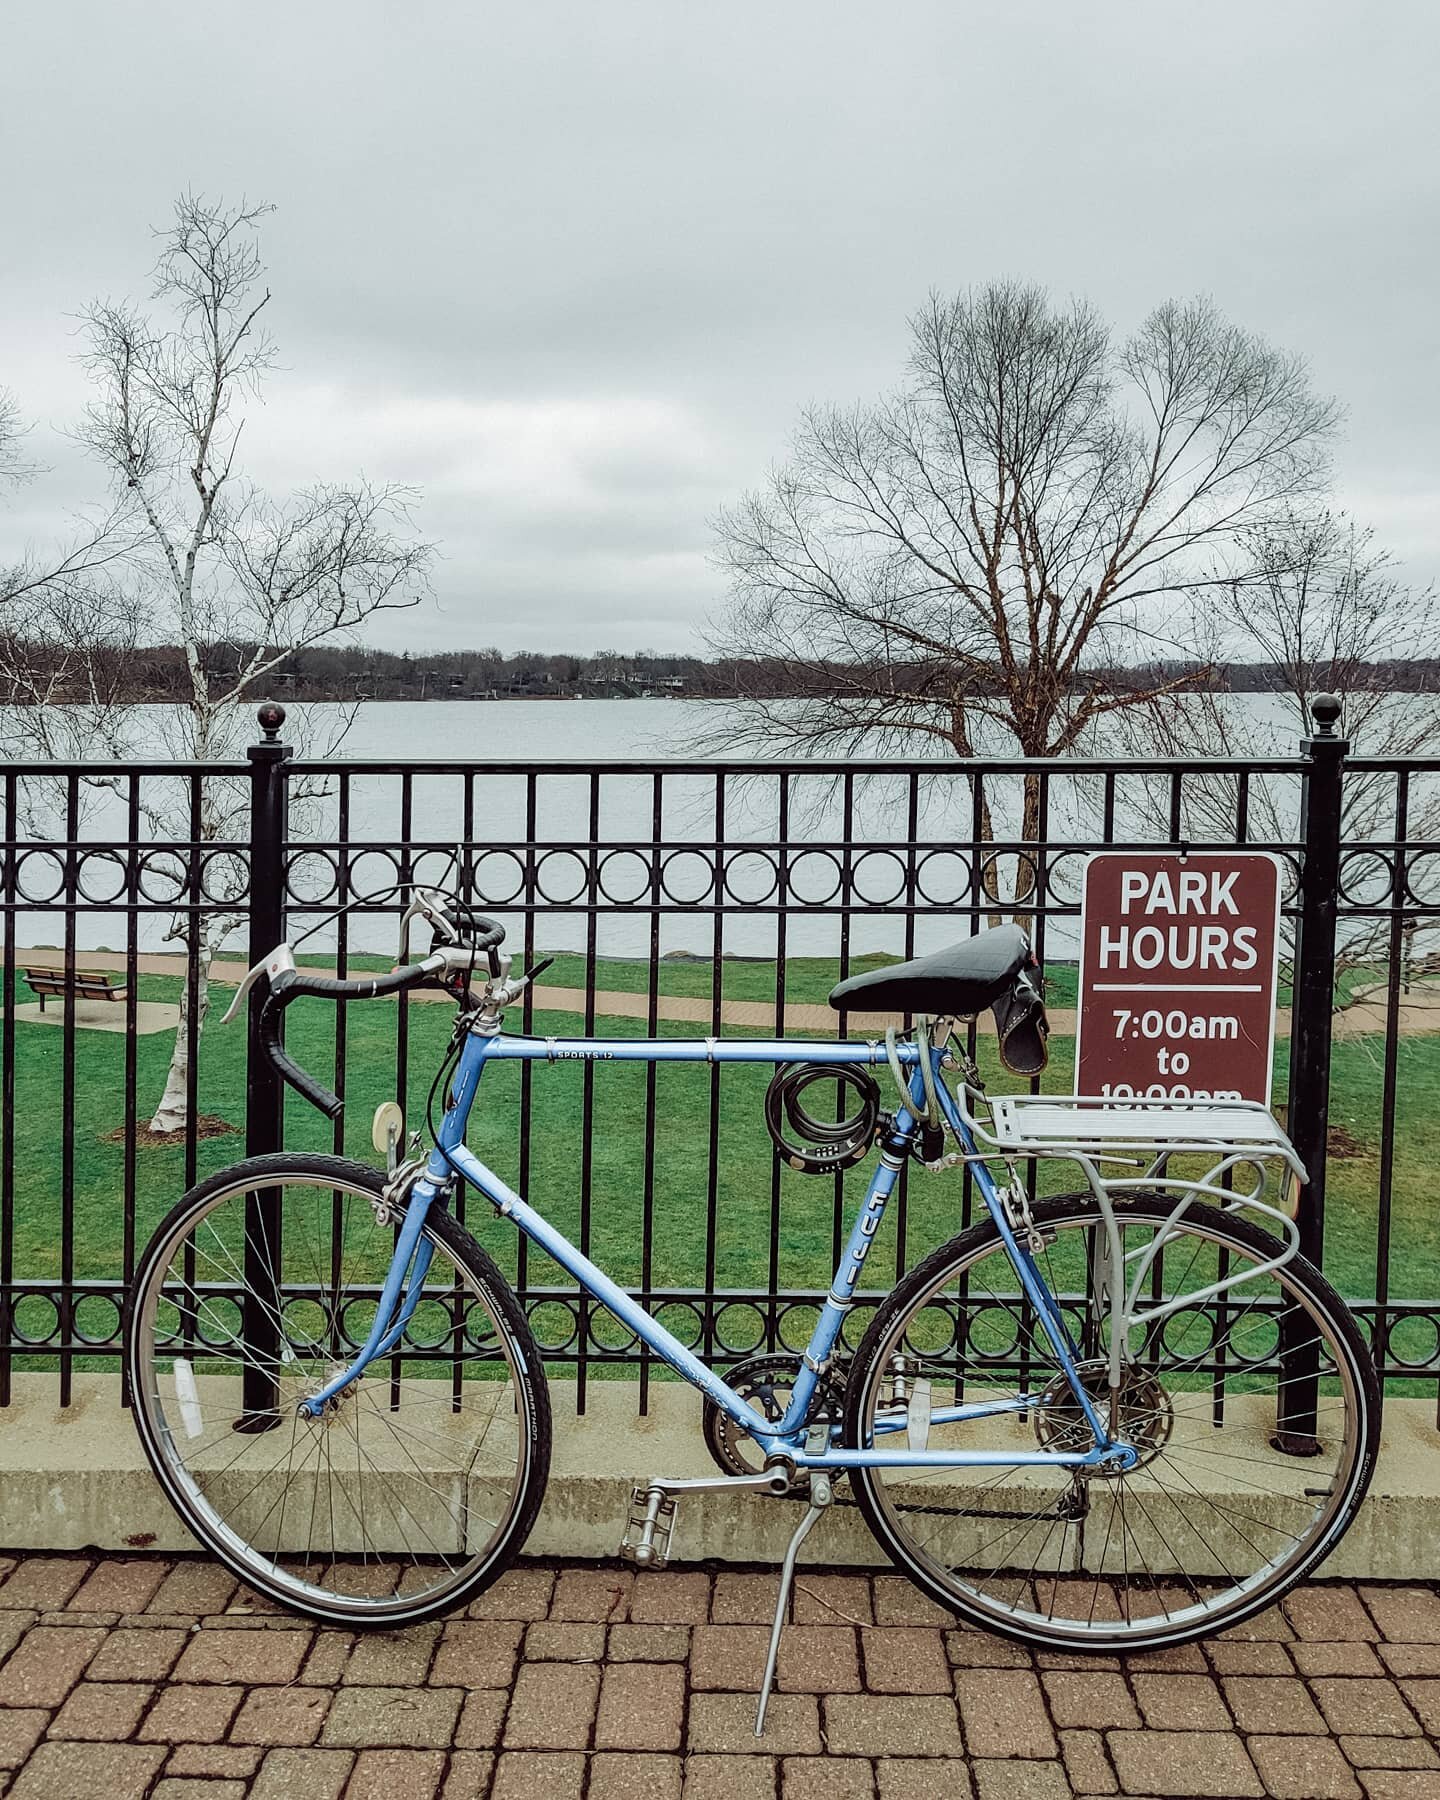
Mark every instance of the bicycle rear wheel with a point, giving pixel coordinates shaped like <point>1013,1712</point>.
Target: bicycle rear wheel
<point>1215,1523</point>
<point>420,1482</point>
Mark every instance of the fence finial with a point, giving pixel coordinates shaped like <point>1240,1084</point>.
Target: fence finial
<point>271,715</point>
<point>1325,709</point>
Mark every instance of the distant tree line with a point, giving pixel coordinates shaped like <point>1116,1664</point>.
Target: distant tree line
<point>161,673</point>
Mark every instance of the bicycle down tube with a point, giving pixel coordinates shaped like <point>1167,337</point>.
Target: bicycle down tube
<point>451,1157</point>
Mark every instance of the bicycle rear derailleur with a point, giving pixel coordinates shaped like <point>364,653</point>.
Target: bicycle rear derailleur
<point>767,1382</point>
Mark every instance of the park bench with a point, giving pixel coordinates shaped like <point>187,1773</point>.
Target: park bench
<point>85,984</point>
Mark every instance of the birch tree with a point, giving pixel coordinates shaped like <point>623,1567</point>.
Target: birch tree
<point>239,578</point>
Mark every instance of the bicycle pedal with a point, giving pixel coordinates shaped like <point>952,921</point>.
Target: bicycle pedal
<point>646,1542</point>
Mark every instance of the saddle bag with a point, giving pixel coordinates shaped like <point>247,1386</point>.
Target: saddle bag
<point>1021,1027</point>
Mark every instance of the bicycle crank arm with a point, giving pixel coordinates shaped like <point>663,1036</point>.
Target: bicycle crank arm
<point>646,1542</point>
<point>774,1481</point>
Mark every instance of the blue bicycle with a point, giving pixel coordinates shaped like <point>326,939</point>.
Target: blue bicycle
<point>1123,1416</point>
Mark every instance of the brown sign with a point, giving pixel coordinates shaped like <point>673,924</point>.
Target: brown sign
<point>1177,975</point>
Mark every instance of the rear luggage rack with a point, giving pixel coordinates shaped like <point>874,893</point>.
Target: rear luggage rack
<point>1108,1129</point>
<point>1235,1145</point>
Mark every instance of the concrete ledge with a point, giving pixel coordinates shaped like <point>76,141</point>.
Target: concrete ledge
<point>77,1478</point>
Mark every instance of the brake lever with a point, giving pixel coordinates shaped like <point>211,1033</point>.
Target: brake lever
<point>281,961</point>
<point>423,907</point>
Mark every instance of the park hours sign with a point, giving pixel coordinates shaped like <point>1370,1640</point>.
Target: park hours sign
<point>1177,975</point>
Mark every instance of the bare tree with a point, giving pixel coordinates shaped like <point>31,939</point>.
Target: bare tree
<point>1312,600</point>
<point>970,558</point>
<point>240,579</point>
<point>67,649</point>
<point>13,466</point>
<point>14,469</point>
<point>95,543</point>
<point>1321,608</point>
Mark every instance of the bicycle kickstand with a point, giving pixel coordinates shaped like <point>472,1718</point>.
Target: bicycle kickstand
<point>820,1498</point>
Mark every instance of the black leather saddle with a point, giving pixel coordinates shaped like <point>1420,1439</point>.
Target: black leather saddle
<point>949,984</point>
<point>993,969</point>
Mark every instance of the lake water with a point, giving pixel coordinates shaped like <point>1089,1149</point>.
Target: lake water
<point>591,730</point>
<point>831,848</point>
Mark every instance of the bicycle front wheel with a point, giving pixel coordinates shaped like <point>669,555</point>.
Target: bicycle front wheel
<point>1223,1512</point>
<point>419,1482</point>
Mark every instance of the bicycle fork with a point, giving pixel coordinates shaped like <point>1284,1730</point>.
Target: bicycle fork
<point>399,1297</point>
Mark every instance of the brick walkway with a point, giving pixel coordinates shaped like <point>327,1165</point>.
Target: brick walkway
<point>155,1679</point>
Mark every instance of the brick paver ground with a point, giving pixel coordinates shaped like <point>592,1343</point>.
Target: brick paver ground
<point>160,1679</point>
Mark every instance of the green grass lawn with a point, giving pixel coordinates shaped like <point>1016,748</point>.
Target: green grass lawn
<point>742,1193</point>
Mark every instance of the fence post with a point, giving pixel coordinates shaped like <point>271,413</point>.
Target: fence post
<point>264,1090</point>
<point>1311,1024</point>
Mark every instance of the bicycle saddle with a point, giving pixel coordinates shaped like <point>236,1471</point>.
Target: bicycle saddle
<point>953,983</point>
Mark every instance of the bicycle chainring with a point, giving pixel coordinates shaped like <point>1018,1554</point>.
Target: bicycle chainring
<point>767,1382</point>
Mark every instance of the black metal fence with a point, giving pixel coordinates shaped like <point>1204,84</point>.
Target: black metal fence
<point>687,898</point>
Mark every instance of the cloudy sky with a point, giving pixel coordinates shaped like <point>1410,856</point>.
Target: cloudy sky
<point>572,269</point>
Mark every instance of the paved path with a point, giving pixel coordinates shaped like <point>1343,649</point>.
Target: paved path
<point>1419,1011</point>
<point>753,1015</point>
<point>157,1679</point>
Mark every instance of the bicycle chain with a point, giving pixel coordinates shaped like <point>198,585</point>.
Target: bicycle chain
<point>957,1512</point>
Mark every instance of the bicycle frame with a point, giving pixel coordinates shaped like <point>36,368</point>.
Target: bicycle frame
<point>451,1158</point>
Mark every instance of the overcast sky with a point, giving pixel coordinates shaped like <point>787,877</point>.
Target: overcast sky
<point>571,270</point>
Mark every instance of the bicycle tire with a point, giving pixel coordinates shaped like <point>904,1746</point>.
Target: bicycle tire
<point>532,1414</point>
<point>950,1262</point>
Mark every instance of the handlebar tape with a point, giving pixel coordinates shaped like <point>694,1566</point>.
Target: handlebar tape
<point>300,1079</point>
<point>481,933</point>
<point>297,984</point>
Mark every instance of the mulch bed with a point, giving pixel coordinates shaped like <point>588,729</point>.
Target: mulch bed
<point>208,1125</point>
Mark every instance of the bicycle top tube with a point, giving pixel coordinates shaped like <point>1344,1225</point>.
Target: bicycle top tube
<point>871,1052</point>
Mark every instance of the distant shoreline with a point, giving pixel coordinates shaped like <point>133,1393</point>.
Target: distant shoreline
<point>344,673</point>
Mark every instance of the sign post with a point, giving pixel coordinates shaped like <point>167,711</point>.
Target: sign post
<point>1178,961</point>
